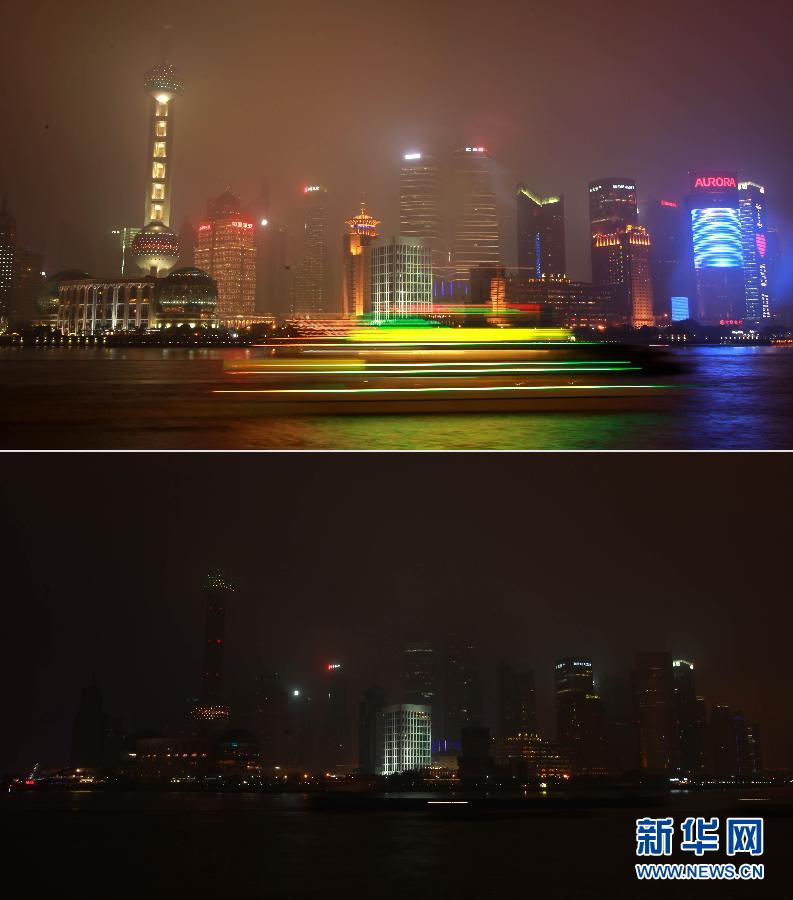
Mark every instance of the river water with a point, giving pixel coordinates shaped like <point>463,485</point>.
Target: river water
<point>163,399</point>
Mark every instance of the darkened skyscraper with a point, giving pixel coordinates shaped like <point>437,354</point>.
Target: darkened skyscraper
<point>474,213</point>
<point>724,762</point>
<point>612,207</point>
<point>655,702</point>
<point>88,732</point>
<point>579,710</point>
<point>718,248</point>
<point>271,718</point>
<point>517,704</point>
<point>211,706</point>
<point>541,237</point>
<point>691,719</point>
<point>311,280</point>
<point>420,675</point>
<point>369,743</point>
<point>335,743</point>
<point>462,691</point>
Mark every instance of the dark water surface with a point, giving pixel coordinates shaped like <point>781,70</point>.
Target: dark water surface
<point>148,398</point>
<point>253,846</point>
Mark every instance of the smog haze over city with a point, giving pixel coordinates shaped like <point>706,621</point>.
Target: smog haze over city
<point>320,92</point>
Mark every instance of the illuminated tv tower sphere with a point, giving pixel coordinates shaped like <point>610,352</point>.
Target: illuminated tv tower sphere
<point>155,249</point>
<point>163,83</point>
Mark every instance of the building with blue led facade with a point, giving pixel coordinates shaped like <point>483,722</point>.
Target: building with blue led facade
<point>718,249</point>
<point>754,230</point>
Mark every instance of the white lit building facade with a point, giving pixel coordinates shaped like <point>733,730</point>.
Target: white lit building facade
<point>405,738</point>
<point>401,279</point>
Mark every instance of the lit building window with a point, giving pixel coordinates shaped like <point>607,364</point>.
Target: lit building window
<point>161,128</point>
<point>158,170</point>
<point>162,109</point>
<point>158,191</point>
<point>159,149</point>
<point>156,211</point>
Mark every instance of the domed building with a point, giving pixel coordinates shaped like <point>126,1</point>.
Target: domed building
<point>155,249</point>
<point>187,296</point>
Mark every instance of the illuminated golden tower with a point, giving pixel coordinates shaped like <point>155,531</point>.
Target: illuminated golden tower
<point>357,300</point>
<point>162,85</point>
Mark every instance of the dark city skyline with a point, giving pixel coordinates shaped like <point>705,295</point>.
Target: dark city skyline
<point>652,93</point>
<point>624,558</point>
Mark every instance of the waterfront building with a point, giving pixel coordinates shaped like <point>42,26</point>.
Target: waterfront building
<point>654,687</point>
<point>166,758</point>
<point>227,251</point>
<point>541,235</point>
<point>530,756</point>
<point>476,239</point>
<point>211,708</point>
<point>717,238</point>
<point>91,307</point>
<point>405,738</point>
<point>517,704</point>
<point>311,298</point>
<point>560,302</point>
<point>186,297</point>
<point>401,279</point>
<point>579,711</point>
<point>421,206</point>
<point>357,262</point>
<point>754,232</point>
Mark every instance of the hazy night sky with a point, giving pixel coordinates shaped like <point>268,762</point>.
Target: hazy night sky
<point>333,92</point>
<point>343,556</point>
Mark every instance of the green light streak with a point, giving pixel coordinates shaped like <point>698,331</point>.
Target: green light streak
<point>446,390</point>
<point>500,371</point>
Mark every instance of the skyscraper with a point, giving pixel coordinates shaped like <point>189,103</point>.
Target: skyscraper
<point>691,719</point>
<point>311,279</point>
<point>541,237</point>
<point>227,251</point>
<point>621,251</point>
<point>211,706</point>
<point>517,704</point>
<point>476,240</point>
<point>462,690</point>
<point>654,687</point>
<point>724,761</point>
<point>401,279</point>
<point>421,206</point>
<point>357,287</point>
<point>271,718</point>
<point>404,738</point>
<point>121,242</point>
<point>369,714</point>
<point>88,731</point>
<point>420,673</point>
<point>163,85</point>
<point>670,256</point>
<point>335,732</point>
<point>754,231</point>
<point>8,245</point>
<point>579,711</point>
<point>718,248</point>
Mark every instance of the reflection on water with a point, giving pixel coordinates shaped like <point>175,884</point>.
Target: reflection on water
<point>162,399</point>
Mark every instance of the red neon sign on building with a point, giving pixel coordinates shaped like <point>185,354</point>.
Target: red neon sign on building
<point>716,181</point>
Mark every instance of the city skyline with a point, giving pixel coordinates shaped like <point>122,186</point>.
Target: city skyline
<point>486,123</point>
<point>303,600</point>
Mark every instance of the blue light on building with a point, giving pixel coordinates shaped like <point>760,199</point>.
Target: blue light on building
<point>680,309</point>
<point>718,240</point>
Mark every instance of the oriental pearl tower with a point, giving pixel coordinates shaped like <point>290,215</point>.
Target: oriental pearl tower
<point>156,248</point>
